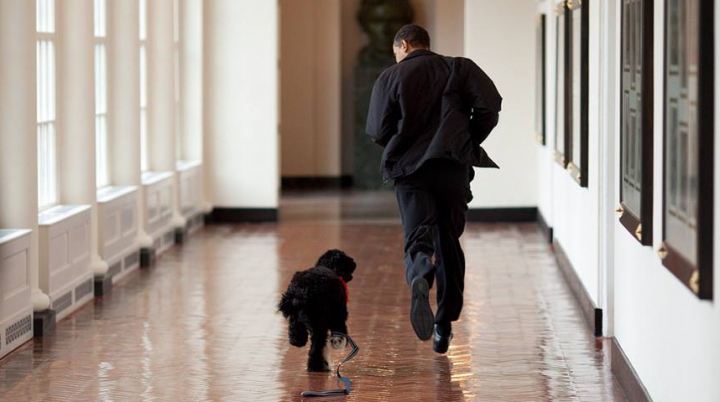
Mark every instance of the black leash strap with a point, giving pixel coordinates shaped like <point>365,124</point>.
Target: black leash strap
<point>339,376</point>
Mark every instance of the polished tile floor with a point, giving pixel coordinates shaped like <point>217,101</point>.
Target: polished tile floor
<point>201,325</point>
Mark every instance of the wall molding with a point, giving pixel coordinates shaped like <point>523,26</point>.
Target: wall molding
<point>593,314</point>
<point>625,373</point>
<point>546,229</point>
<point>528,214</point>
<point>243,215</point>
<point>316,182</point>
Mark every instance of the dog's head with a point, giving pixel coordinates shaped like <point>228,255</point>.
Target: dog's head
<point>342,264</point>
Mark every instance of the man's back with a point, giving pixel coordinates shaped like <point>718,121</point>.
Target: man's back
<point>421,109</point>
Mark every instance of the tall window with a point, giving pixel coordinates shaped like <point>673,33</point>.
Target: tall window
<point>178,132</point>
<point>101,151</point>
<point>144,159</point>
<point>47,164</point>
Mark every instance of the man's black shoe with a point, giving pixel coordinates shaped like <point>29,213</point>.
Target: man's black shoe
<point>441,343</point>
<point>421,316</point>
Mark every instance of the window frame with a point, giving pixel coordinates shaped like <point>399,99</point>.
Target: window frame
<point>46,102</point>
<point>143,102</point>
<point>102,172</point>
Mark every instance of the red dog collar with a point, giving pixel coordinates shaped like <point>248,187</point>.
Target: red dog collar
<point>347,292</point>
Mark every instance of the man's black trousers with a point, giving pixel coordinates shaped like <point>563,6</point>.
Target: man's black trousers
<point>433,206</point>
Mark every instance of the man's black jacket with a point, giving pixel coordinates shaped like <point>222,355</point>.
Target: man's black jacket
<point>430,106</point>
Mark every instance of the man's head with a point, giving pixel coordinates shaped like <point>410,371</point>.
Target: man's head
<point>408,38</point>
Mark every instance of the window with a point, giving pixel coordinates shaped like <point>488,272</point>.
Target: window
<point>144,152</point>
<point>101,135</point>
<point>687,248</point>
<point>636,121</point>
<point>178,132</point>
<point>46,100</point>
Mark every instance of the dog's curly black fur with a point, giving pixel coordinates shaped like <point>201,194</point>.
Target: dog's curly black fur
<point>315,302</point>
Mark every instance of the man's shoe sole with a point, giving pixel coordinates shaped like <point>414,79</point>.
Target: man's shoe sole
<point>421,316</point>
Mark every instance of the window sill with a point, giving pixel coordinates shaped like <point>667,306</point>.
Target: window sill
<point>8,235</point>
<point>111,193</point>
<point>59,213</point>
<point>149,178</point>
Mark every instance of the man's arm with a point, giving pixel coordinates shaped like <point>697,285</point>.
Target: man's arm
<point>383,116</point>
<point>482,122</point>
<point>485,102</point>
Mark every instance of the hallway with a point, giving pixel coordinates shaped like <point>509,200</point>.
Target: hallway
<point>201,325</point>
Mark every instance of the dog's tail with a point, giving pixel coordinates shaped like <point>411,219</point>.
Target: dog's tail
<point>288,304</point>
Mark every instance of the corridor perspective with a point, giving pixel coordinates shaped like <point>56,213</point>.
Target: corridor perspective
<point>202,325</point>
<point>167,166</point>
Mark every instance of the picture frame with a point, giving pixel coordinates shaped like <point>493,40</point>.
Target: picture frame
<point>635,211</point>
<point>577,25</point>
<point>540,84</point>
<point>688,144</point>
<point>559,153</point>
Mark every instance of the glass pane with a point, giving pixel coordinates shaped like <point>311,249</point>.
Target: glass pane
<point>560,84</point>
<point>100,18</point>
<point>576,116</point>
<point>681,171</point>
<point>631,127</point>
<point>143,19</point>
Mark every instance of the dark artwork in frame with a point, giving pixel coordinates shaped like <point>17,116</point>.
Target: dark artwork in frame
<point>540,70</point>
<point>561,77</point>
<point>636,120</point>
<point>688,143</point>
<point>576,103</point>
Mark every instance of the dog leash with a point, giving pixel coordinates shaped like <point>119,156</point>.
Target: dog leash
<point>339,376</point>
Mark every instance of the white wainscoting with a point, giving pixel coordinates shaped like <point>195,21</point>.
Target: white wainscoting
<point>65,271</point>
<point>191,193</point>
<point>157,190</point>
<point>118,209</point>
<point>15,302</point>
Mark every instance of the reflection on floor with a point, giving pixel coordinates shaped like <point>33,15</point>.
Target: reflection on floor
<point>201,325</point>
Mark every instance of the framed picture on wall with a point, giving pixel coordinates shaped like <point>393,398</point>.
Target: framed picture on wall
<point>578,91</point>
<point>540,79</point>
<point>636,119</point>
<point>688,160</point>
<point>561,78</point>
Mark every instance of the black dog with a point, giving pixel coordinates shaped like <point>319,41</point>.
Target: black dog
<point>316,302</point>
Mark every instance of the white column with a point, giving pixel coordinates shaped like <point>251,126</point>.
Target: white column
<point>18,131</point>
<point>161,95</point>
<point>76,107</point>
<point>123,52</point>
<point>241,103</point>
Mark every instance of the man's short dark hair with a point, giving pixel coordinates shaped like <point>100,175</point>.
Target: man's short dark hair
<point>414,35</point>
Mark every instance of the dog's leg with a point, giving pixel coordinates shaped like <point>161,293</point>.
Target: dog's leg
<point>316,358</point>
<point>338,324</point>
<point>297,332</point>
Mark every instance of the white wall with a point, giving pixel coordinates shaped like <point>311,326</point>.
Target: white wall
<point>241,103</point>
<point>310,68</point>
<point>669,335</point>
<point>500,38</point>
<point>544,153</point>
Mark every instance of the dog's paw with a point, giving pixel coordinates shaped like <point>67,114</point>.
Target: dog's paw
<point>338,342</point>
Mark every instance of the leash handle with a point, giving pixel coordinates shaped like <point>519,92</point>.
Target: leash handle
<point>345,380</point>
